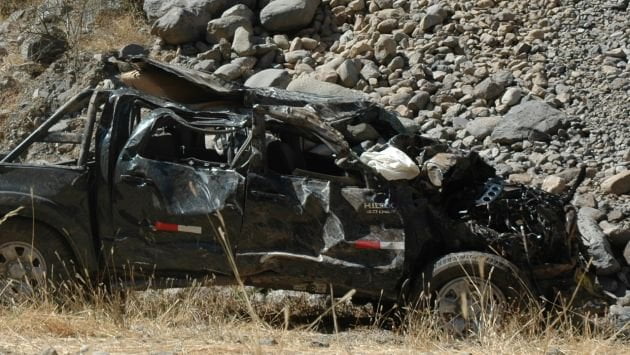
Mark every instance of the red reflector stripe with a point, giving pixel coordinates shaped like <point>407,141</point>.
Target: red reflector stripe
<point>378,245</point>
<point>169,227</point>
<point>367,244</point>
<point>165,227</point>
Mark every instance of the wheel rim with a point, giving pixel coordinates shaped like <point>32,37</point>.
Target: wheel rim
<point>22,268</point>
<point>467,304</point>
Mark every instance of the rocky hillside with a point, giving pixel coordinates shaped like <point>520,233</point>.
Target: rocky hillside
<point>538,87</point>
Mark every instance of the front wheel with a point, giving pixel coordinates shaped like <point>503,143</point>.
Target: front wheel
<point>473,290</point>
<point>32,257</point>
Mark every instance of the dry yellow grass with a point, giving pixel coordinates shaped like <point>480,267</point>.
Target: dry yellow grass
<point>200,320</point>
<point>113,30</point>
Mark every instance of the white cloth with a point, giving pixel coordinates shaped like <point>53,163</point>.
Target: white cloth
<point>392,163</point>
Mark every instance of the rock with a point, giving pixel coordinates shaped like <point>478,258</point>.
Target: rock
<point>297,55</point>
<point>370,70</point>
<point>488,89</point>
<point>554,184</point>
<point>419,101</point>
<point>288,15</point>
<point>585,200</point>
<point>626,253</point>
<point>524,179</point>
<point>593,213</point>
<point>385,49</point>
<point>208,65</point>
<point>387,26</point>
<point>236,68</point>
<point>205,9</point>
<point>225,27</point>
<point>311,86</point>
<point>131,50</point>
<point>363,132</point>
<point>596,244</point>
<point>533,120</point>
<point>436,14</point>
<point>348,73</point>
<point>482,127</point>
<point>278,78</point>
<point>242,43</point>
<point>620,316</point>
<point>179,26</point>
<point>617,184</point>
<point>43,48</point>
<point>240,10</point>
<point>512,96</point>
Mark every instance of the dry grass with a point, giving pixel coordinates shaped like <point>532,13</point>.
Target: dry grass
<point>7,7</point>
<point>113,30</point>
<point>201,320</point>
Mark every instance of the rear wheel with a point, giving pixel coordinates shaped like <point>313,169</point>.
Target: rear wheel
<point>31,259</point>
<point>473,290</point>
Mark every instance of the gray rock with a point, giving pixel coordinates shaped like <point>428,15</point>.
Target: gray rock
<point>312,86</point>
<point>533,120</point>
<point>278,78</point>
<point>370,70</point>
<point>236,68</point>
<point>242,43</point>
<point>385,49</point>
<point>626,253</point>
<point>617,184</point>
<point>43,48</point>
<point>596,244</point>
<point>482,127</point>
<point>436,14</point>
<point>240,10</point>
<point>179,26</point>
<point>512,96</point>
<point>419,101</point>
<point>348,73</point>
<point>225,27</point>
<point>208,65</point>
<point>207,9</point>
<point>297,55</point>
<point>131,50</point>
<point>488,89</point>
<point>288,15</point>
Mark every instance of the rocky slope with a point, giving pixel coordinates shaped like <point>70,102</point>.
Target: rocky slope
<point>538,87</point>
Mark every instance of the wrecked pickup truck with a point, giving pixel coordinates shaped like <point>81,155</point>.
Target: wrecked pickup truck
<point>310,193</point>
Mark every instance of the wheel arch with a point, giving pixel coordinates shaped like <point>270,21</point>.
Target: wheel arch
<point>76,235</point>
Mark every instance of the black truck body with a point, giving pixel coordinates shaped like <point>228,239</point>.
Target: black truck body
<point>157,184</point>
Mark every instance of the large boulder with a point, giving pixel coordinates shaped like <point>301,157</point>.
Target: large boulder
<point>206,8</point>
<point>288,15</point>
<point>312,86</point>
<point>179,26</point>
<point>182,21</point>
<point>533,120</point>
<point>277,78</point>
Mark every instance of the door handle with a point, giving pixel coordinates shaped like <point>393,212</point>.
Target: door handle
<point>136,179</point>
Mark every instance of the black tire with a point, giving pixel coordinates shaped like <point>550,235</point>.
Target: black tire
<point>484,274</point>
<point>56,257</point>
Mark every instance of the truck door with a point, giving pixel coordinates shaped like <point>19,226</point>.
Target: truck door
<point>171,182</point>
